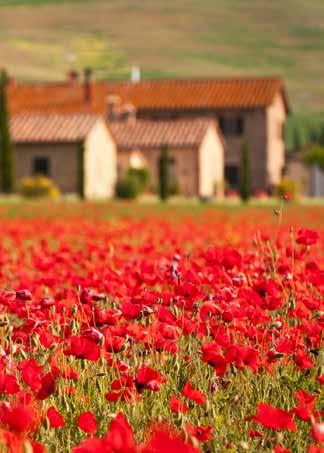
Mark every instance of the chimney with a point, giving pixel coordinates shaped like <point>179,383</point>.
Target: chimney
<point>72,77</point>
<point>113,102</point>
<point>87,84</point>
<point>135,74</point>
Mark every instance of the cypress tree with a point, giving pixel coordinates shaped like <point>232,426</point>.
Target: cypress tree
<point>6,150</point>
<point>80,160</point>
<point>245,173</point>
<point>164,182</point>
<point>321,136</point>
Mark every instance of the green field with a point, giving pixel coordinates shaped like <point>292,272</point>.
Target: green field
<point>178,38</point>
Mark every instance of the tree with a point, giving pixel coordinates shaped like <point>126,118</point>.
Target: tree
<point>80,160</point>
<point>315,156</point>
<point>245,173</point>
<point>321,136</point>
<point>6,151</point>
<point>164,176</point>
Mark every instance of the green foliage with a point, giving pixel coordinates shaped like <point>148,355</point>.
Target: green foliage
<point>287,187</point>
<point>164,176</point>
<point>141,175</point>
<point>301,130</point>
<point>39,186</point>
<point>6,150</point>
<point>245,173</point>
<point>127,187</point>
<point>315,157</point>
<point>80,176</point>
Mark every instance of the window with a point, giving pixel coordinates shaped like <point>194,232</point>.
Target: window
<point>233,126</point>
<point>41,166</point>
<point>232,176</point>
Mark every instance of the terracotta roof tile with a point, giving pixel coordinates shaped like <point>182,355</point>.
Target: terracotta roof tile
<point>155,134</point>
<point>187,94</point>
<point>56,98</point>
<point>51,128</point>
<point>204,94</point>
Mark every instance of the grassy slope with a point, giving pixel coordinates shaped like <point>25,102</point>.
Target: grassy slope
<point>188,38</point>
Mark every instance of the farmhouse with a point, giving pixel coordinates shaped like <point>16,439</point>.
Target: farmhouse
<point>195,149</point>
<point>248,110</point>
<point>251,111</point>
<point>70,149</point>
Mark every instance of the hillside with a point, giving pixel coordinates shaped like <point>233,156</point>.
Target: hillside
<point>40,39</point>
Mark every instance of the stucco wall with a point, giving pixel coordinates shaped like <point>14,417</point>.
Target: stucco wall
<point>100,163</point>
<point>62,158</point>
<point>186,162</point>
<point>255,134</point>
<point>211,165</point>
<point>276,116</point>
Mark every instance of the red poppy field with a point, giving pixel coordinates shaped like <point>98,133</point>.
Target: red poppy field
<point>131,330</point>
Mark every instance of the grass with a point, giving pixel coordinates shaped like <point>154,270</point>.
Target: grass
<point>169,39</point>
<point>310,213</point>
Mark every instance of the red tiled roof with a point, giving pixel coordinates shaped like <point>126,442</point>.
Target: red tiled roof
<point>200,94</point>
<point>56,98</point>
<point>187,94</point>
<point>155,134</point>
<point>51,128</point>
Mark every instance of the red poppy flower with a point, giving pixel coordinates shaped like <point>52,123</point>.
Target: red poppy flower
<point>83,348</point>
<point>303,360</point>
<point>20,418</point>
<point>280,449</point>
<point>31,374</point>
<point>123,389</point>
<point>163,439</point>
<point>317,432</point>
<point>306,236</point>
<point>274,418</point>
<point>212,354</point>
<point>148,378</point>
<point>201,433</point>
<point>120,437</point>
<point>24,295</point>
<point>194,395</point>
<point>314,449</point>
<point>48,386</point>
<point>87,422</point>
<point>55,418</point>
<point>8,384</point>
<point>92,446</point>
<point>306,403</point>
<point>177,405</point>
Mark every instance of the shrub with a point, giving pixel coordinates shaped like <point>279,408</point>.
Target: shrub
<point>39,186</point>
<point>141,175</point>
<point>287,187</point>
<point>127,187</point>
<point>315,157</point>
